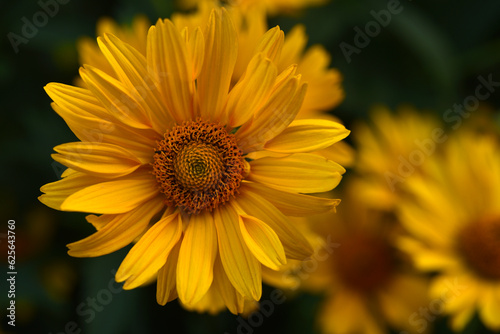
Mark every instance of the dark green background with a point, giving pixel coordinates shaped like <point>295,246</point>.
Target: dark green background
<point>430,56</point>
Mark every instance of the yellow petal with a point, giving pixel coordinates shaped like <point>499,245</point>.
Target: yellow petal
<point>232,299</point>
<point>120,231</point>
<point>196,49</point>
<point>251,90</point>
<point>462,317</point>
<point>294,45</point>
<point>165,288</point>
<point>196,258</point>
<point>292,204</point>
<point>240,265</point>
<point>271,44</point>
<point>262,242</point>
<point>428,259</point>
<point>295,244</point>
<point>340,152</point>
<point>275,115</point>
<point>88,127</point>
<point>167,59</point>
<point>325,89</point>
<point>113,196</point>
<point>115,97</point>
<point>99,221</point>
<point>130,67</point>
<point>79,100</point>
<point>307,135</point>
<point>56,193</point>
<point>210,303</point>
<point>221,50</point>
<point>299,172</point>
<point>97,159</point>
<point>150,253</point>
<point>251,26</point>
<point>490,307</point>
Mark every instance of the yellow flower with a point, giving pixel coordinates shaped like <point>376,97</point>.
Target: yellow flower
<point>390,150</point>
<point>368,286</point>
<point>453,218</point>
<point>163,157</point>
<point>273,7</point>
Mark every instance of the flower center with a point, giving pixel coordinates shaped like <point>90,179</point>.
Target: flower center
<point>479,244</point>
<point>363,262</point>
<point>198,166</point>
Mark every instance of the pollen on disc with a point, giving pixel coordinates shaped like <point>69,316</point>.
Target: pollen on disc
<point>198,166</point>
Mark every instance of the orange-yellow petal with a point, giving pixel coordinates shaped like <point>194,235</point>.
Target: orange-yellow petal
<point>299,172</point>
<point>490,307</point>
<point>232,299</point>
<point>150,253</point>
<point>240,265</point>
<point>196,49</point>
<point>97,159</point>
<point>131,69</point>
<point>115,97</point>
<point>113,196</point>
<point>168,65</point>
<point>271,44</point>
<point>195,266</point>
<point>120,231</point>
<point>276,114</point>
<point>294,45</point>
<point>90,121</point>
<point>262,242</point>
<point>295,244</point>
<point>55,193</point>
<point>221,50</point>
<point>166,288</point>
<point>80,101</point>
<point>251,90</point>
<point>292,204</point>
<point>307,135</point>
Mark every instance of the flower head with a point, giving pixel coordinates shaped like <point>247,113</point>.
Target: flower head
<point>164,157</point>
<point>390,149</point>
<point>364,276</point>
<point>452,215</point>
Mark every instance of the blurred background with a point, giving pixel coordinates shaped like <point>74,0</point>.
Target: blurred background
<point>429,56</point>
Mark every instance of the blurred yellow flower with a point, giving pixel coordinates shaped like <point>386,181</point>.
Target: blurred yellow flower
<point>391,149</point>
<point>453,218</point>
<point>163,157</point>
<point>369,286</point>
<point>273,7</point>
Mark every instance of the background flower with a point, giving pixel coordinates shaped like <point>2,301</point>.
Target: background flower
<point>453,217</point>
<point>273,7</point>
<point>370,287</point>
<point>392,147</point>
